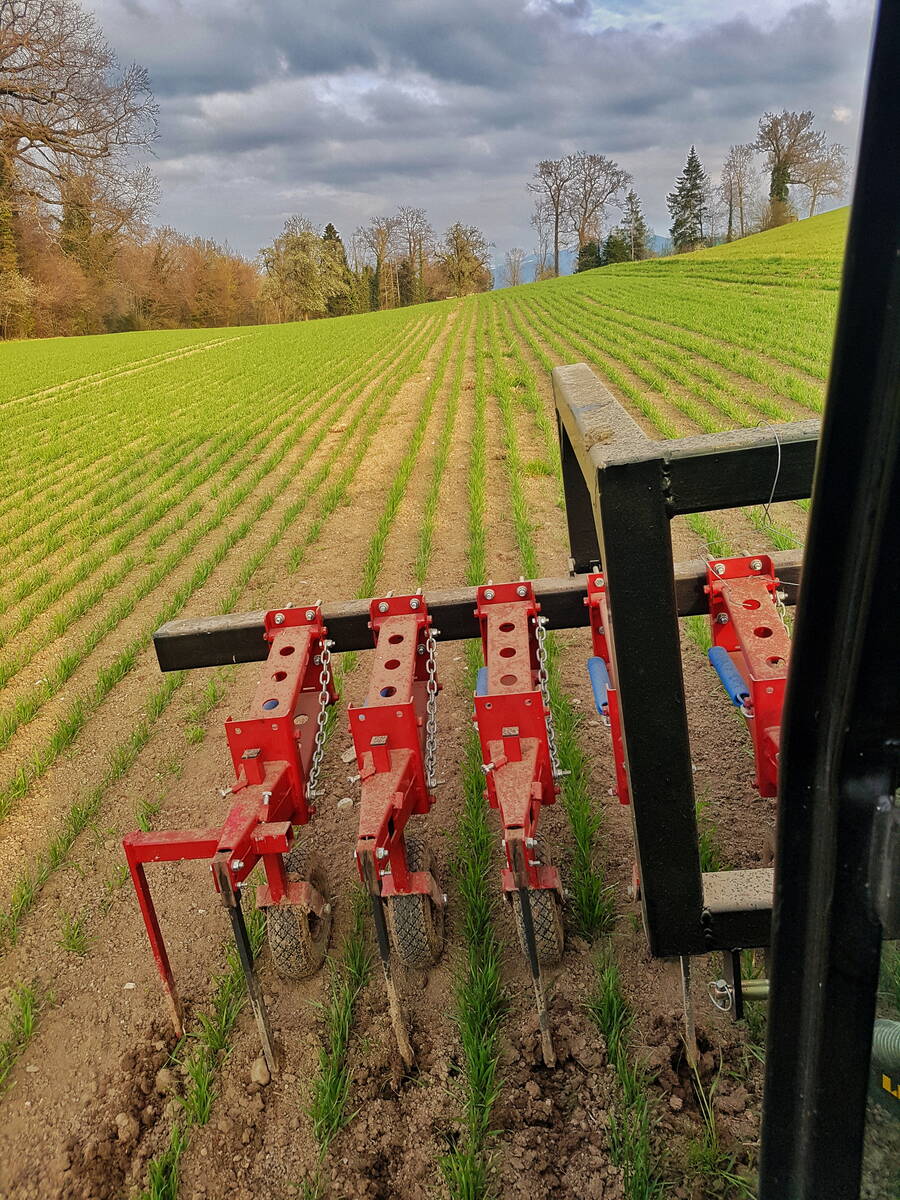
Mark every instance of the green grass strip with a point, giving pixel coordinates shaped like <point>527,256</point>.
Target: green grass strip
<point>23,1013</point>
<point>630,1121</point>
<point>480,997</point>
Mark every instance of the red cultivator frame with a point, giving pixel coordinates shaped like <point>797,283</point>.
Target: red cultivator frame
<point>276,753</point>
<point>750,653</point>
<point>512,712</point>
<point>394,734</point>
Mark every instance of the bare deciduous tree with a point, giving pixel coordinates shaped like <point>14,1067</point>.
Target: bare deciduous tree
<point>542,223</point>
<point>381,237</point>
<point>595,182</point>
<point>738,189</point>
<point>824,176</point>
<point>513,261</point>
<point>419,238</point>
<point>64,101</point>
<point>550,184</point>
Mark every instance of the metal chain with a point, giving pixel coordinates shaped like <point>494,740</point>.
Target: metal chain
<point>544,681</point>
<point>315,765</point>
<point>431,708</point>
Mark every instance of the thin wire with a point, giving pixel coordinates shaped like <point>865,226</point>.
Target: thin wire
<point>774,432</point>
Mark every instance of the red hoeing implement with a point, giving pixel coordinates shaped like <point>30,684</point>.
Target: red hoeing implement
<point>751,650</point>
<point>276,751</point>
<point>512,713</point>
<point>602,671</point>
<point>394,735</point>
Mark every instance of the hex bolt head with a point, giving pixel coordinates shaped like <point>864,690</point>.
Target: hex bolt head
<point>522,592</point>
<point>488,593</point>
<point>317,658</point>
<point>237,865</point>
<point>310,614</point>
<point>383,606</point>
<point>266,797</point>
<point>755,564</point>
<point>414,603</point>
<point>719,568</point>
<point>381,852</point>
<point>529,842</point>
<point>420,650</point>
<point>722,618</point>
<point>279,618</point>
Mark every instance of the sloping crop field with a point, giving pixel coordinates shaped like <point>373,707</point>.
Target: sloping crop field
<point>158,475</point>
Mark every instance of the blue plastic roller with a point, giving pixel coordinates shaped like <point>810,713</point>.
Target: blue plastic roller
<point>732,680</point>
<point>599,677</point>
<point>481,682</point>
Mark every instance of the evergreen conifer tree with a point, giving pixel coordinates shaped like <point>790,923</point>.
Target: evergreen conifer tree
<point>688,206</point>
<point>588,257</point>
<point>634,229</point>
<point>615,249</point>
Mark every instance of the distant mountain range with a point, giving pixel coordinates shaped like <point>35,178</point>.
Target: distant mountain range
<point>659,245</point>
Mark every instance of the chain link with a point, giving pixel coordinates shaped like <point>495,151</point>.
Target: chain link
<point>315,765</point>
<point>431,709</point>
<point>544,681</point>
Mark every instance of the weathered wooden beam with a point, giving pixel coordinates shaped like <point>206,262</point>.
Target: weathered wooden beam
<point>238,637</point>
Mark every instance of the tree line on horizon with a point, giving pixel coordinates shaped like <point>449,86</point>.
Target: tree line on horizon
<point>575,194</point>
<point>78,253</point>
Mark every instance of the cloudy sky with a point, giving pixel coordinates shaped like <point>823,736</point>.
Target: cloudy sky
<point>344,109</point>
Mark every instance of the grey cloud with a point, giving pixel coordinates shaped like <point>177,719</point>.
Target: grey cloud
<point>449,104</point>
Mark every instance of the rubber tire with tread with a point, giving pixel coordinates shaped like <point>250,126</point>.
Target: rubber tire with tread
<point>416,923</point>
<point>546,915</point>
<point>299,939</point>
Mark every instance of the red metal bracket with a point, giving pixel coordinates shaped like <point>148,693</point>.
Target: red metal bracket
<point>271,750</point>
<point>598,611</point>
<point>388,733</point>
<point>512,726</point>
<point>746,623</point>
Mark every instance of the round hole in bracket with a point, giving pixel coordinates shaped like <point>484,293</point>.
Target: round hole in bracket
<point>395,639</point>
<point>528,704</point>
<point>398,712</point>
<point>392,664</point>
<point>507,680</point>
<point>763,631</point>
<point>272,703</point>
<point>286,650</point>
<point>751,603</point>
<point>775,660</point>
<point>237,730</point>
<point>507,626</point>
<point>507,651</point>
<point>388,691</point>
<point>279,675</point>
<point>488,704</point>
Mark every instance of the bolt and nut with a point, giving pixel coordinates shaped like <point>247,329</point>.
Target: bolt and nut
<point>488,593</point>
<point>381,852</point>
<point>310,614</point>
<point>755,564</point>
<point>414,604</point>
<point>719,568</point>
<point>266,797</point>
<point>722,618</point>
<point>421,650</point>
<point>383,606</point>
<point>237,864</point>
<point>529,842</point>
<point>279,618</point>
<point>522,591</point>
